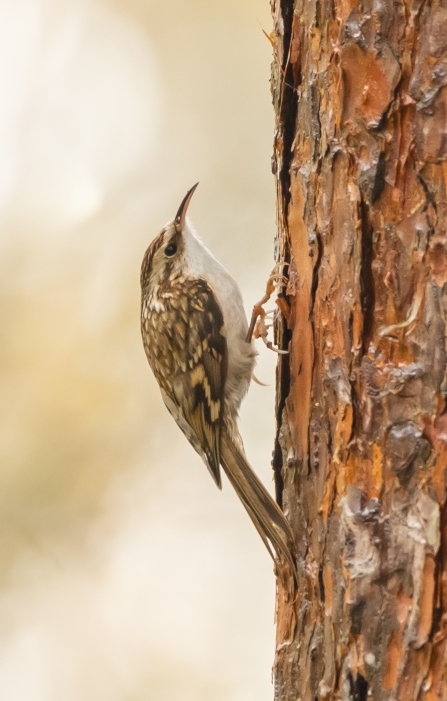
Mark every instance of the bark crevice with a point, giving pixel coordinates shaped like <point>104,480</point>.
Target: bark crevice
<point>367,277</point>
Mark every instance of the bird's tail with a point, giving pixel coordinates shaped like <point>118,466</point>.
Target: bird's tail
<point>266,515</point>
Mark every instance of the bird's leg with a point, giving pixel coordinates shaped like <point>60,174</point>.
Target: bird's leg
<point>261,331</point>
<point>258,327</point>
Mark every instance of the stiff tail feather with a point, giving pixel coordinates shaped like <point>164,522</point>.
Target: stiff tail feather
<point>264,512</point>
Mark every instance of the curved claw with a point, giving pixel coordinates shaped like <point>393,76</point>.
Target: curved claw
<point>258,381</point>
<point>271,347</point>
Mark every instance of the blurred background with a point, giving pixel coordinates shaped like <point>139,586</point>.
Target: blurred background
<point>125,574</point>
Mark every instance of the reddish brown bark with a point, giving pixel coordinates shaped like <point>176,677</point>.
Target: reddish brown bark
<point>360,95</point>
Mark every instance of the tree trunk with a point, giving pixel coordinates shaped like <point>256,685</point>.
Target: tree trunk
<point>361,451</point>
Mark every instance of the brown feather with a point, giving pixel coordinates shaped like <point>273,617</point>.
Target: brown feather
<point>184,340</point>
<point>264,512</point>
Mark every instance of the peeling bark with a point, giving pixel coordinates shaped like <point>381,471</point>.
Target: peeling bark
<point>360,159</point>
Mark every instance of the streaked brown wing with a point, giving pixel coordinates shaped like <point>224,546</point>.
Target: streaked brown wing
<point>198,386</point>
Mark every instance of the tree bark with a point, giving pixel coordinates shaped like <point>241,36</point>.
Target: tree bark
<point>360,97</point>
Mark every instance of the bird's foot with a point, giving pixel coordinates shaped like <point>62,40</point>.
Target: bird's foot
<point>258,327</point>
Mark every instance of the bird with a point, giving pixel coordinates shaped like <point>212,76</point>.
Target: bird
<point>194,332</point>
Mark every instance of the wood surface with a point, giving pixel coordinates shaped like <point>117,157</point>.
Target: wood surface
<point>360,146</point>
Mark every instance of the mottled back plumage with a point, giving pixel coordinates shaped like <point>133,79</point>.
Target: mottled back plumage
<point>185,342</point>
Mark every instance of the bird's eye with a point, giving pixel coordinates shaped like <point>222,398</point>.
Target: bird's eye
<point>171,250</point>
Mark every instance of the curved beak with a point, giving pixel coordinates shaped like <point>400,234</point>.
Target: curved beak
<point>179,221</point>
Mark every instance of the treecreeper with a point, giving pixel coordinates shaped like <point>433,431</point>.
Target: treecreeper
<point>194,333</point>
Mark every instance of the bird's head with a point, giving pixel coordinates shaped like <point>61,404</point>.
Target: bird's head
<point>166,255</point>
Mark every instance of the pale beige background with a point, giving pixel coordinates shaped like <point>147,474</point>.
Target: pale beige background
<point>125,574</point>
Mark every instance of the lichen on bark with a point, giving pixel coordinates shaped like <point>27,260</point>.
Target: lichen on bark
<point>360,161</point>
